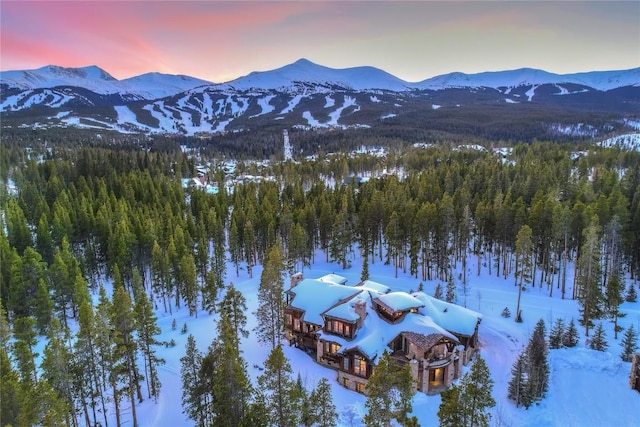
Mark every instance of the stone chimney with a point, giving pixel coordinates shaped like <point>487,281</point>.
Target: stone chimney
<point>296,278</point>
<point>361,310</point>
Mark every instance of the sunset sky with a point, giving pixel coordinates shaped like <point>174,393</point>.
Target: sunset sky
<point>219,41</point>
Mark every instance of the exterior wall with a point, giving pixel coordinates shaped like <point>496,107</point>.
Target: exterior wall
<point>351,381</point>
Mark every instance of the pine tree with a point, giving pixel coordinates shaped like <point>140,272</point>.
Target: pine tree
<point>475,395</point>
<point>449,411</point>
<point>631,295</point>
<point>277,384</point>
<point>570,337</point>
<point>124,371</point>
<point>193,401</point>
<point>233,307</point>
<point>518,390</point>
<point>556,334</point>
<point>612,301</point>
<point>364,275</point>
<point>467,404</point>
<point>86,363</point>
<point>438,292</point>
<point>537,363</point>
<point>321,404</point>
<point>230,383</point>
<point>24,345</point>
<point>451,290</point>
<point>589,295</point>
<point>188,283</point>
<point>599,340</point>
<point>389,393</point>
<point>147,329</point>
<point>57,366</point>
<point>524,264</point>
<point>629,344</point>
<point>105,348</point>
<point>270,313</point>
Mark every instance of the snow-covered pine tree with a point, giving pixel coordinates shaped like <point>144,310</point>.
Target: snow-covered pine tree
<point>629,344</point>
<point>570,337</point>
<point>517,390</point>
<point>631,295</point>
<point>438,292</point>
<point>556,334</point>
<point>599,339</point>
<point>451,290</point>
<point>537,363</point>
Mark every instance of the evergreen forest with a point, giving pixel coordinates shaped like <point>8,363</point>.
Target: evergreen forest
<point>81,211</point>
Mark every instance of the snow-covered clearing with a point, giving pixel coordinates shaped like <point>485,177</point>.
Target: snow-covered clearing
<point>587,388</point>
<point>265,106</point>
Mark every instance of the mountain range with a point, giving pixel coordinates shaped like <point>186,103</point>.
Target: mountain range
<point>302,94</point>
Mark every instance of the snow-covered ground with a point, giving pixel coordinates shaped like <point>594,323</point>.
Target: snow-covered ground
<point>587,388</point>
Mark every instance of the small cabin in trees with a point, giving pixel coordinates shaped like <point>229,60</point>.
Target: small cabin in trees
<point>348,327</point>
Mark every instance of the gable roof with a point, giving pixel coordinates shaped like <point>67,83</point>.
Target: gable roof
<point>374,286</point>
<point>452,317</point>
<point>314,297</point>
<point>376,333</point>
<point>424,342</point>
<point>400,301</point>
<point>333,278</point>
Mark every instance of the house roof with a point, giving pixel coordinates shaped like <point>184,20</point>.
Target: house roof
<point>400,301</point>
<point>333,278</point>
<point>314,297</point>
<point>375,334</point>
<point>452,317</point>
<point>374,286</point>
<point>424,342</point>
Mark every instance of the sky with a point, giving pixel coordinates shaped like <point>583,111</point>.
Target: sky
<point>414,40</point>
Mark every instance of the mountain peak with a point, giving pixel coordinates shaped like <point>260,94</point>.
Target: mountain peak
<point>92,72</point>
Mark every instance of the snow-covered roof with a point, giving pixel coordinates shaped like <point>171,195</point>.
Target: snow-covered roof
<point>400,301</point>
<point>314,297</point>
<point>374,286</point>
<point>375,334</point>
<point>452,317</point>
<point>333,278</point>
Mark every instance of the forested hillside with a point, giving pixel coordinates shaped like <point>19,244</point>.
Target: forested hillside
<point>77,215</point>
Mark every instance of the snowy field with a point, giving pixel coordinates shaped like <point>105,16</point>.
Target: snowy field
<point>587,387</point>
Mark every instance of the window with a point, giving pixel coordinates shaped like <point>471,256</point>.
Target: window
<point>296,324</point>
<point>359,366</point>
<point>360,387</point>
<point>347,330</point>
<point>345,363</point>
<point>288,320</point>
<point>345,382</point>
<point>331,347</point>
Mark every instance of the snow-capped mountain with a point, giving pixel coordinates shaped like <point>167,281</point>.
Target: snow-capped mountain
<point>304,94</point>
<point>305,71</point>
<point>97,80</point>
<point>598,80</point>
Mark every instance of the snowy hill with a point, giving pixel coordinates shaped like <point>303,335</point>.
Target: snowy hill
<point>97,80</point>
<point>302,94</point>
<point>305,71</point>
<point>598,80</point>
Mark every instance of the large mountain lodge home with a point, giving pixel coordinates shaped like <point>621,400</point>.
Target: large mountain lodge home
<point>348,327</point>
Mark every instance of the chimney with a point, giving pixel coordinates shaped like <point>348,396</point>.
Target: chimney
<point>296,278</point>
<point>361,311</point>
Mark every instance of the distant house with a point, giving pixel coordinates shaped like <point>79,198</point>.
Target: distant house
<point>348,328</point>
